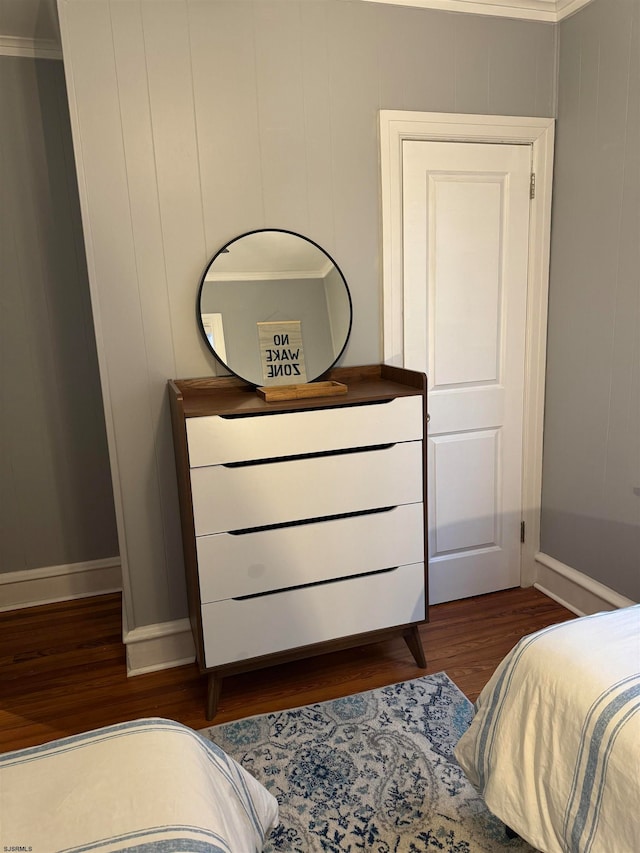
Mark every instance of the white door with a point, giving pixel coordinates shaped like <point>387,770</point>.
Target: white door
<point>465,243</point>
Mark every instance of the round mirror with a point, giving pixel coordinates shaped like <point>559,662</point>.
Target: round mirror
<point>274,308</point>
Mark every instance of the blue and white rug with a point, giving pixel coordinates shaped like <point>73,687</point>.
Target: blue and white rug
<point>374,771</point>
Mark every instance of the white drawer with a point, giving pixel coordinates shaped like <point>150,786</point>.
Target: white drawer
<point>266,560</point>
<point>215,439</point>
<point>228,498</point>
<point>238,630</point>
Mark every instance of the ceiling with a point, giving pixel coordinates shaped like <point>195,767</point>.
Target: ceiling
<point>30,27</point>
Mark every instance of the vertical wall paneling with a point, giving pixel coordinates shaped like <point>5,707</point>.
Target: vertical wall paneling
<point>34,455</point>
<point>591,510</point>
<point>226,109</point>
<point>113,271</point>
<point>167,52</point>
<point>195,121</point>
<point>353,40</point>
<point>422,71</point>
<point>280,88</point>
<point>472,68</point>
<point>321,137</point>
<point>56,503</point>
<point>156,316</point>
<point>505,50</point>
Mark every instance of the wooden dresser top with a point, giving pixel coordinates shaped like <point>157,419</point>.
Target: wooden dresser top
<point>227,395</point>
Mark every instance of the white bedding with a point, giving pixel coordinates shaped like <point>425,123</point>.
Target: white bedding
<point>140,786</point>
<point>554,745</point>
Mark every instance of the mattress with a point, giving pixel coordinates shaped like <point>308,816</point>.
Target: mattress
<point>145,785</point>
<point>554,745</point>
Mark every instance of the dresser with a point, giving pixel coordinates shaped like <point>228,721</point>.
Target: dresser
<point>303,522</point>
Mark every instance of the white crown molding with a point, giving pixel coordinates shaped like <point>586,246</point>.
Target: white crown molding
<point>31,48</point>
<point>552,11</point>
<point>321,272</point>
<point>532,10</point>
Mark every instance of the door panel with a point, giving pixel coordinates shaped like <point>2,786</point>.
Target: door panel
<point>465,344</point>
<point>466,519</point>
<point>465,250</point>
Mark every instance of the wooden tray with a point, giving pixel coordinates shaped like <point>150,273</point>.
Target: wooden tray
<point>271,393</point>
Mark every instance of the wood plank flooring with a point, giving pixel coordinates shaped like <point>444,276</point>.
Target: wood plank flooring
<point>62,666</point>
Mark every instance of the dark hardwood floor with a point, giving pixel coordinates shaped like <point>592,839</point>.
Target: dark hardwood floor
<point>62,666</point>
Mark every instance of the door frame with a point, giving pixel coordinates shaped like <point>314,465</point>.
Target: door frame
<point>395,127</point>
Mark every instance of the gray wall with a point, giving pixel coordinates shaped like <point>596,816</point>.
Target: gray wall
<point>310,76</point>
<point>195,122</point>
<point>591,477</point>
<point>56,500</point>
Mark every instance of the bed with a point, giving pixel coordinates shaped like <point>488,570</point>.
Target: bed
<point>146,785</point>
<point>554,744</point>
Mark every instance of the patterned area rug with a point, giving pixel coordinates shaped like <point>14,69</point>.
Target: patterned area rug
<point>374,771</point>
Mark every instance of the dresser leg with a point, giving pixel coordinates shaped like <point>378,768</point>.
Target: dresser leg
<point>414,641</point>
<point>214,684</point>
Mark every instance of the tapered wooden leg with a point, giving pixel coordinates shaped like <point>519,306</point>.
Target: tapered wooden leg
<point>214,684</point>
<point>414,641</point>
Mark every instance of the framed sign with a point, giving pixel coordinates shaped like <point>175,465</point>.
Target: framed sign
<point>281,352</point>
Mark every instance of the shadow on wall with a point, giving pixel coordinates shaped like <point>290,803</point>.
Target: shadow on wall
<point>66,350</point>
<point>604,549</point>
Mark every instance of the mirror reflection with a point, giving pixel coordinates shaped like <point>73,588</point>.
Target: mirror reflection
<point>274,308</point>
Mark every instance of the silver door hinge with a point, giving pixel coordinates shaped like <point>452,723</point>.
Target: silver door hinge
<point>532,185</point>
<point>522,531</point>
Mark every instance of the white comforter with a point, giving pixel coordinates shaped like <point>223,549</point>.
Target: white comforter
<point>554,745</point>
<point>140,786</point>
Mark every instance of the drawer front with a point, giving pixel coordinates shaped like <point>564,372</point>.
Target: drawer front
<point>238,630</point>
<point>216,440</point>
<point>250,563</point>
<point>227,498</point>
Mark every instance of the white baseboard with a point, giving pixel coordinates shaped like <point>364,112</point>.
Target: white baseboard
<point>32,587</point>
<point>160,646</point>
<point>573,589</point>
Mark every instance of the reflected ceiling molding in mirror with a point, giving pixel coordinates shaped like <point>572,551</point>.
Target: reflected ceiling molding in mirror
<point>275,310</point>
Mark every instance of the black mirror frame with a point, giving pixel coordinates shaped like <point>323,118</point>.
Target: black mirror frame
<point>222,251</point>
